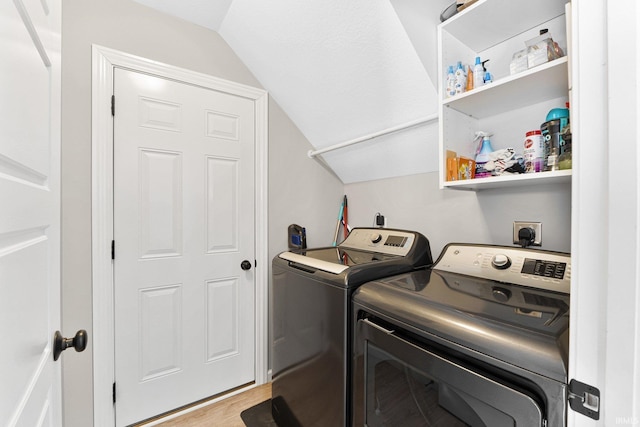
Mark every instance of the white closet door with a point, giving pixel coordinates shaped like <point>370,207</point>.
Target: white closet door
<point>183,225</point>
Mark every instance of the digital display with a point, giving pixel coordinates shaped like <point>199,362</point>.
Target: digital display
<point>397,241</point>
<point>551,269</point>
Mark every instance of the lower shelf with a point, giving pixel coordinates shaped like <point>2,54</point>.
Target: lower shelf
<point>555,177</point>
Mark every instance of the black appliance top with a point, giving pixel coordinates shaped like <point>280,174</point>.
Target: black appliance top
<point>366,254</point>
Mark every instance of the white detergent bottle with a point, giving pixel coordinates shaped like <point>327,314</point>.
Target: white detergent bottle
<point>461,79</point>
<point>450,88</point>
<point>483,155</point>
<point>478,74</point>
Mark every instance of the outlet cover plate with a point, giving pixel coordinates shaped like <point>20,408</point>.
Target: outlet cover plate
<point>536,226</point>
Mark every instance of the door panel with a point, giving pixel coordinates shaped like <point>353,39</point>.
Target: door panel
<point>222,205</point>
<point>183,223</point>
<point>161,204</point>
<point>160,332</point>
<point>29,217</point>
<point>222,318</point>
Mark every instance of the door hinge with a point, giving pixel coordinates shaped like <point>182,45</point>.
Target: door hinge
<point>113,249</point>
<point>584,399</point>
<point>113,105</point>
<point>114,392</point>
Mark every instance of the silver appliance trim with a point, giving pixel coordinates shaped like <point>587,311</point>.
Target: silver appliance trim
<point>525,267</point>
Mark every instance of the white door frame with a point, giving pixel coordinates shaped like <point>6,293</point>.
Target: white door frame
<point>104,60</point>
<point>605,292</point>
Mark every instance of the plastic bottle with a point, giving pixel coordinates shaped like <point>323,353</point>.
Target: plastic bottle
<point>553,135</point>
<point>460,78</point>
<point>483,156</point>
<point>533,153</point>
<point>450,83</point>
<point>478,74</point>
<point>469,79</point>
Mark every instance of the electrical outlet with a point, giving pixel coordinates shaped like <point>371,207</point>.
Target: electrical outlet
<point>536,226</point>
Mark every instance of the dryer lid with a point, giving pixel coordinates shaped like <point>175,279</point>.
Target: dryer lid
<point>524,327</point>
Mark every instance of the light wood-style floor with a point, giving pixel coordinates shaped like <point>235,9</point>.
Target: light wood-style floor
<point>225,413</point>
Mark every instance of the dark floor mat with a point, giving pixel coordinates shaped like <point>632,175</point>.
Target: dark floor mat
<point>258,415</point>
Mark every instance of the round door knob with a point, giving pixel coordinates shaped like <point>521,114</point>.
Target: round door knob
<point>245,265</point>
<point>60,344</point>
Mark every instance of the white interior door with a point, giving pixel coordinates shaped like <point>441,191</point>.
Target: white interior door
<point>183,225</point>
<point>29,216</point>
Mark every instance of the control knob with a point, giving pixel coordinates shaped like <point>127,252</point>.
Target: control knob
<point>375,238</point>
<point>501,262</point>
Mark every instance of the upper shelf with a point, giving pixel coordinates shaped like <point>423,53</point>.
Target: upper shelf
<point>519,16</point>
<point>546,81</point>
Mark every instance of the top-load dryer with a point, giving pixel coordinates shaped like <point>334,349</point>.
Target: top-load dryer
<point>479,339</point>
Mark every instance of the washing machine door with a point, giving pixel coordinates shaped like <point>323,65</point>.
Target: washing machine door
<point>410,384</point>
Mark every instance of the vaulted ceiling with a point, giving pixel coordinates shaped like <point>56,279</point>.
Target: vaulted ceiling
<point>341,70</point>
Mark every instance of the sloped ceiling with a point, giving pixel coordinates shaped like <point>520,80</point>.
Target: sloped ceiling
<point>340,70</point>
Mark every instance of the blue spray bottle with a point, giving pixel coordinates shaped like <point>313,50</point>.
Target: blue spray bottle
<point>482,154</point>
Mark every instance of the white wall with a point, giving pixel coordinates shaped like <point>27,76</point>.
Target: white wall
<point>301,190</point>
<point>416,203</point>
<point>136,29</point>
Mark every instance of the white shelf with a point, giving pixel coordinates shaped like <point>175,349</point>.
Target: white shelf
<point>556,177</point>
<point>529,87</point>
<point>512,104</point>
<point>517,16</point>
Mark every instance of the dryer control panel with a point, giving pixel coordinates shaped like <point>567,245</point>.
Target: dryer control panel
<point>382,240</point>
<point>520,266</point>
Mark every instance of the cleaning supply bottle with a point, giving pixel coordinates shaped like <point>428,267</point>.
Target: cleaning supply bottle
<point>450,87</point>
<point>483,155</point>
<point>478,74</point>
<point>460,78</point>
<point>469,79</point>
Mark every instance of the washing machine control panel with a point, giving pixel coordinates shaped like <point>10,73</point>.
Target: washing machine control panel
<point>387,241</point>
<point>526,267</point>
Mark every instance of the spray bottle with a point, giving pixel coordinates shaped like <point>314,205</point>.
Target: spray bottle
<point>482,153</point>
<point>488,77</point>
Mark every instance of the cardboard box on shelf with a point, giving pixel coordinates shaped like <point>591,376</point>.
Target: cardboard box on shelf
<point>542,49</point>
<point>459,168</point>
